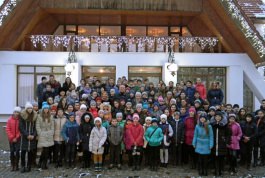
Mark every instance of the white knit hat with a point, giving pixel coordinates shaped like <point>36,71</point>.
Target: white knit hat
<point>97,119</point>
<point>83,106</point>
<point>148,118</point>
<point>28,105</point>
<point>163,116</point>
<point>17,109</point>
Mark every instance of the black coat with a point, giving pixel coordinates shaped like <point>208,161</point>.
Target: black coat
<point>249,130</point>
<point>215,96</point>
<point>180,134</point>
<point>222,138</point>
<point>261,133</point>
<point>85,131</point>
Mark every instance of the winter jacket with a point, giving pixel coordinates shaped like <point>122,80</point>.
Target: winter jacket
<point>134,135</point>
<point>70,132</point>
<point>97,139</point>
<point>157,114</point>
<point>215,96</point>
<point>178,132</point>
<point>203,142</point>
<point>154,137</point>
<point>94,112</point>
<point>27,128</point>
<point>85,132</point>
<point>236,134</point>
<point>167,132</point>
<point>190,91</point>
<point>201,89</point>
<point>115,135</point>
<point>12,129</point>
<point>189,125</point>
<point>58,127</point>
<point>249,130</point>
<point>45,132</point>
<point>222,137</point>
<point>261,133</point>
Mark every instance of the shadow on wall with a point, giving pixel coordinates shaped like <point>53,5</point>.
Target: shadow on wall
<point>4,145</point>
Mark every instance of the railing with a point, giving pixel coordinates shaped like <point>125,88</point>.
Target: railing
<point>7,7</point>
<point>245,25</point>
<point>167,5</point>
<point>121,43</point>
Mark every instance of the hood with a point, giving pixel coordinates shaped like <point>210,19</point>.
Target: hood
<point>223,122</point>
<point>90,115</point>
<point>24,115</point>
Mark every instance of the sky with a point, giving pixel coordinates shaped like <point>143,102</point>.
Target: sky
<point>1,2</point>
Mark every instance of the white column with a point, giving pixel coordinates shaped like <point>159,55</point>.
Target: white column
<point>234,85</point>
<point>8,91</point>
<point>122,70</point>
<point>166,75</point>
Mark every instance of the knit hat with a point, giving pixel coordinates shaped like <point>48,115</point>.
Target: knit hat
<point>128,103</point>
<point>119,114</point>
<point>219,113</point>
<point>232,115</point>
<point>148,119</point>
<point>145,106</point>
<point>34,103</point>
<point>93,103</point>
<point>28,105</point>
<point>83,106</point>
<point>112,90</point>
<point>192,109</point>
<point>144,93</point>
<point>136,117</point>
<point>71,114</point>
<point>45,106</point>
<point>54,108</point>
<point>204,115</point>
<point>138,93</point>
<point>97,119</point>
<point>163,116</point>
<point>176,113</point>
<point>173,101</point>
<point>154,120</point>
<point>197,101</point>
<point>160,98</point>
<point>156,104</point>
<point>17,109</point>
<point>98,99</point>
<point>139,105</point>
<point>212,108</point>
<point>84,96</point>
<point>129,117</point>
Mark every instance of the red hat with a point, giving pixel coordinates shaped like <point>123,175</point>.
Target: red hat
<point>98,99</point>
<point>53,108</point>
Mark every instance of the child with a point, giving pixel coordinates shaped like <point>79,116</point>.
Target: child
<point>85,131</point>
<point>126,139</point>
<point>13,134</point>
<point>97,139</point>
<point>27,127</point>
<point>115,135</point>
<point>249,130</point>
<point>59,145</point>
<point>260,138</point>
<point>147,124</point>
<point>222,137</point>
<point>234,145</point>
<point>203,143</point>
<point>71,137</point>
<point>45,130</point>
<point>121,123</point>
<point>154,137</point>
<point>167,132</point>
<point>178,137</point>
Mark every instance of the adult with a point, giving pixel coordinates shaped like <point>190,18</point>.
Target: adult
<point>54,84</point>
<point>41,88</point>
<point>67,83</point>
<point>215,95</point>
<point>200,87</point>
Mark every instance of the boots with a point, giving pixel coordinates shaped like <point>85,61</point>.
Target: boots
<point>96,168</point>
<point>137,162</point>
<point>134,162</point>
<point>100,167</point>
<point>12,159</point>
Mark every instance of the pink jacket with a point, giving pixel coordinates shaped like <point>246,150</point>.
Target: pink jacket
<point>134,133</point>
<point>12,129</point>
<point>235,137</point>
<point>202,90</point>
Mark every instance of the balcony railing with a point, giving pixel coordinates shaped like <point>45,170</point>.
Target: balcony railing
<point>7,7</point>
<point>121,43</point>
<point>154,5</point>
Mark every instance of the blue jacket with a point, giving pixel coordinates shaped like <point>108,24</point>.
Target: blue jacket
<point>156,138</point>
<point>203,142</point>
<point>215,96</point>
<point>70,132</point>
<point>190,91</point>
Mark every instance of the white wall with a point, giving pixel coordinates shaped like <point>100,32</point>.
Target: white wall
<point>237,65</point>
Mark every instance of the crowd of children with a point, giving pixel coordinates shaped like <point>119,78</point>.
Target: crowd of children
<point>135,122</point>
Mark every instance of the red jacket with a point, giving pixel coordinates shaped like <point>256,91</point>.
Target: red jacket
<point>135,134</point>
<point>12,129</point>
<point>202,90</point>
<point>94,112</point>
<point>189,130</point>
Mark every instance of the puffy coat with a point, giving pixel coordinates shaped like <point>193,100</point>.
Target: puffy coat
<point>156,138</point>
<point>45,132</point>
<point>115,134</point>
<point>178,133</point>
<point>215,96</point>
<point>236,134</point>
<point>85,131</point>
<point>190,91</point>
<point>189,125</point>
<point>222,137</point>
<point>167,131</point>
<point>261,132</point>
<point>27,128</point>
<point>12,129</point>
<point>97,139</point>
<point>58,127</point>
<point>249,130</point>
<point>201,89</point>
<point>203,142</point>
<point>134,135</point>
<point>70,132</point>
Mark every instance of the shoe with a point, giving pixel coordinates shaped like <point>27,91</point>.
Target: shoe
<point>165,165</point>
<point>110,166</point>
<point>119,166</point>
<point>23,169</point>
<point>28,169</point>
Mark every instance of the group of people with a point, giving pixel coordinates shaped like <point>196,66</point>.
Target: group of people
<point>137,122</point>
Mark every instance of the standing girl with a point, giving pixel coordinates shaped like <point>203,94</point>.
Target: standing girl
<point>97,139</point>
<point>45,130</point>
<point>27,127</point>
<point>13,135</point>
<point>203,143</point>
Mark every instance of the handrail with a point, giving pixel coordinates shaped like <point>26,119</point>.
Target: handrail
<point>246,27</point>
<point>7,7</point>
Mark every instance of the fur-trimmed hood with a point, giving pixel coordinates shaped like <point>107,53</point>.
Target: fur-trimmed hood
<point>24,115</point>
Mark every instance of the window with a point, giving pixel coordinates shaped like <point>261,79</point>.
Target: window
<point>103,73</point>
<point>30,76</point>
<point>152,73</point>
<point>247,98</point>
<point>207,75</point>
